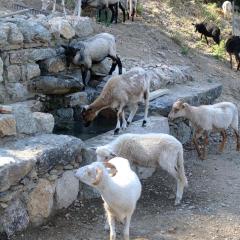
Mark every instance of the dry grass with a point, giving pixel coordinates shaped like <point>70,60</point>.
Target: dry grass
<point>176,18</point>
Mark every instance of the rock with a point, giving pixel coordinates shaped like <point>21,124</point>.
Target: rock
<point>40,202</point>
<point>155,124</point>
<point>3,34</point>
<point>17,91</point>
<point>1,70</point>
<point>53,65</point>
<point>15,218</point>
<point>24,120</point>
<point>30,71</point>
<point>194,94</point>
<point>7,125</point>
<point>87,192</point>
<point>163,75</point>
<point>76,99</point>
<point>13,168</point>
<point>61,25</point>
<point>48,150</point>
<point>65,113</point>
<point>67,188</point>
<point>83,26</point>
<point>15,36</point>
<point>32,31</point>
<point>56,85</point>
<point>14,73</point>
<point>5,109</point>
<point>44,122</point>
<point>31,55</point>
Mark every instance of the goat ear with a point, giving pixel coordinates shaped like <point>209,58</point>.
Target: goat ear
<point>99,174</point>
<point>185,105</point>
<point>112,168</point>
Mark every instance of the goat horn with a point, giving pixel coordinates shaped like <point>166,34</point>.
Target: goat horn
<point>112,167</point>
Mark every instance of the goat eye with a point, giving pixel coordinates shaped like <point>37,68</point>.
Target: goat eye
<point>176,110</point>
<point>89,173</point>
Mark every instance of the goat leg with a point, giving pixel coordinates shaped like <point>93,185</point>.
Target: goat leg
<point>123,10</point>
<point>238,140</point>
<point>206,39</point>
<point>224,138</point>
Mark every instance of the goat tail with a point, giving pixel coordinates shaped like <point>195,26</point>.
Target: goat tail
<point>180,168</point>
<point>119,63</point>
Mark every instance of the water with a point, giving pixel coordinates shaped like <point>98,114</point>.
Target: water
<point>76,128</point>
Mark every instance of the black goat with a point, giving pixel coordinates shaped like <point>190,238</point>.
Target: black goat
<point>208,30</point>
<point>232,46</point>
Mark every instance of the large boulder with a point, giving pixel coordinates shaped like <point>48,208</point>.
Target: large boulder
<point>83,26</point>
<point>31,55</point>
<point>62,27</point>
<point>163,76</point>
<point>32,31</point>
<point>43,151</point>
<point>56,85</point>
<point>17,91</point>
<point>53,65</point>
<point>40,202</point>
<point>67,188</point>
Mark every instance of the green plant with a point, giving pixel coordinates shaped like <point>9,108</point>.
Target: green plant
<point>218,51</point>
<point>184,50</point>
<point>139,8</point>
<point>105,17</point>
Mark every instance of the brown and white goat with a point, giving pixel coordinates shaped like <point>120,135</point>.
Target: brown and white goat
<point>205,118</point>
<point>119,92</point>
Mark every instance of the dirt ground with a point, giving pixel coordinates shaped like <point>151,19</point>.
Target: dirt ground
<point>210,208</point>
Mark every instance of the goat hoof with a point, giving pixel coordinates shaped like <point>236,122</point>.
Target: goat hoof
<point>128,123</point>
<point>177,202</point>
<point>116,131</point>
<point>144,123</point>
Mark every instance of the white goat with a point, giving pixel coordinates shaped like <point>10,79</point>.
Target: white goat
<point>149,150</point>
<point>77,11</point>
<point>119,192</point>
<point>227,9</point>
<point>205,118</point>
<point>120,91</point>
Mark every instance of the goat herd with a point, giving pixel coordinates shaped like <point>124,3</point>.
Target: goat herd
<point>111,174</point>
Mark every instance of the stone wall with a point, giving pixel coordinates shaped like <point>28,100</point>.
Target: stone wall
<point>30,47</point>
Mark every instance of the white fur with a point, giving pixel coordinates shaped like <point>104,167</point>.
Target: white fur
<point>209,117</point>
<point>227,9</point>
<point>149,150</point>
<point>120,193</point>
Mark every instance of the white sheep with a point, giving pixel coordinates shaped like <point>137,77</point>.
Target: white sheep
<point>206,118</point>
<point>120,91</point>
<point>94,49</point>
<point>77,11</point>
<point>120,192</point>
<point>227,9</point>
<point>149,150</point>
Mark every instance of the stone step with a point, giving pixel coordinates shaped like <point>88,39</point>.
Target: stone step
<point>194,94</point>
<point>155,124</point>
